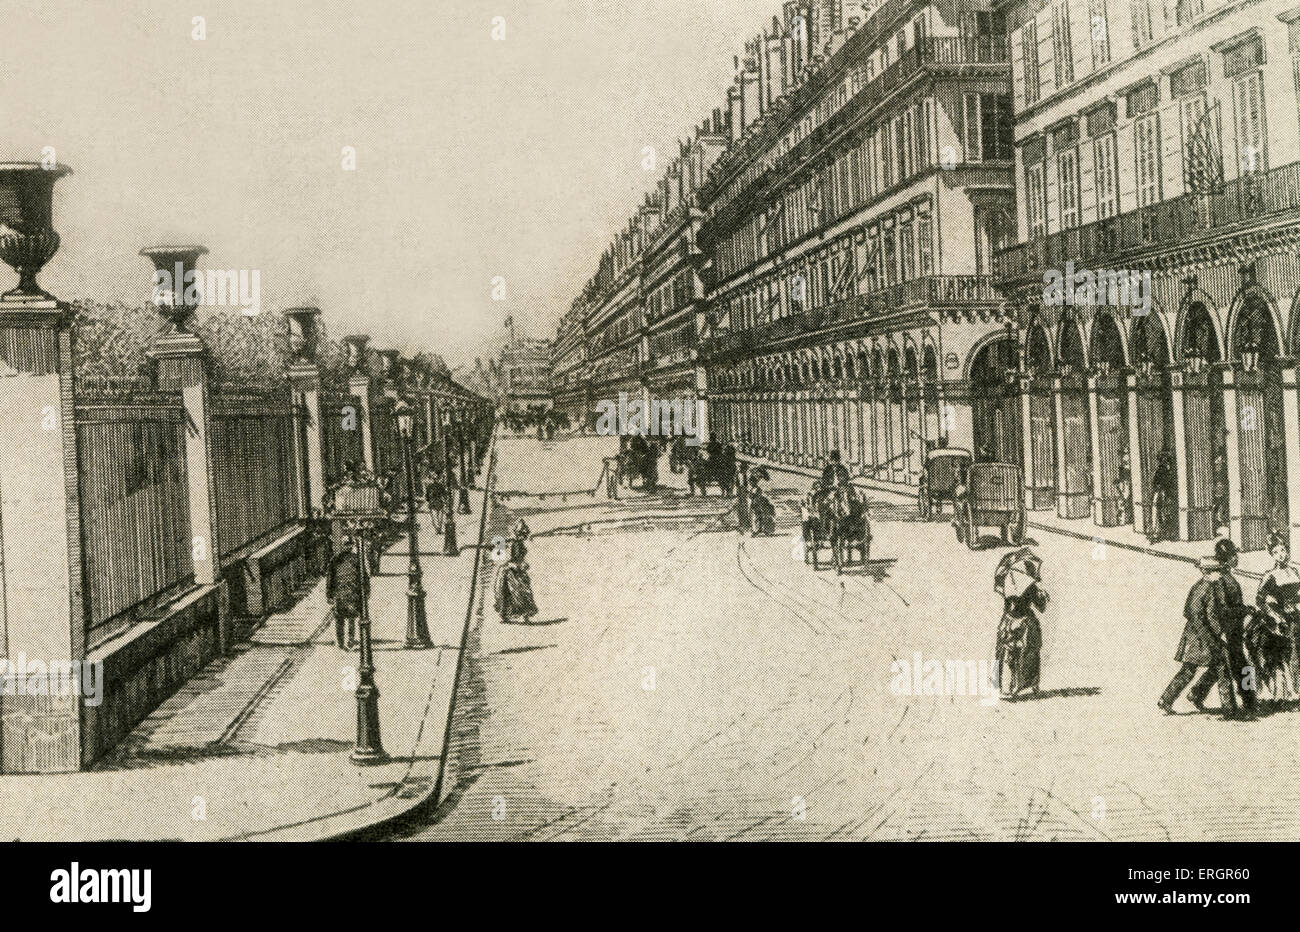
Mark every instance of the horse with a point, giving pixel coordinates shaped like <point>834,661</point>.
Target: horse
<point>701,471</point>
<point>843,518</point>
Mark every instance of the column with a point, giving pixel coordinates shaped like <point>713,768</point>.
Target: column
<point>359,388</point>
<point>1058,413</point>
<point>1291,416</point>
<point>1180,449</point>
<point>304,380</point>
<point>1232,447</point>
<point>1094,436</point>
<point>1135,454</point>
<point>41,613</point>
<point>1026,440</point>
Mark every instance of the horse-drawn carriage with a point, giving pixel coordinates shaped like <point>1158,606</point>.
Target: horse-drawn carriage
<point>943,473</point>
<point>835,517</point>
<point>991,496</point>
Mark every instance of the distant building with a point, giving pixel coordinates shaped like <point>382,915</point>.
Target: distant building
<point>525,375</point>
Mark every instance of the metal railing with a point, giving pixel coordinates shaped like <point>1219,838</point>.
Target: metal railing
<point>1248,198</point>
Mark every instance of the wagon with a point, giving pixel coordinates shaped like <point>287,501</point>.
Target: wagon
<point>991,497</point>
<point>944,471</point>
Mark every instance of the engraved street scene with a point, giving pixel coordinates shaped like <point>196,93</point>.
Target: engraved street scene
<point>841,420</point>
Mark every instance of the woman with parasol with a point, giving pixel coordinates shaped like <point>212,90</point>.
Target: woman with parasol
<point>513,587</point>
<point>1018,579</point>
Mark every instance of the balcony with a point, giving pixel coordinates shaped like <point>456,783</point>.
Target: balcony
<point>1248,199</point>
<point>932,291</point>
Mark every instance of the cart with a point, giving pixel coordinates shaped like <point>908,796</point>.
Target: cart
<point>991,497</point>
<point>943,473</point>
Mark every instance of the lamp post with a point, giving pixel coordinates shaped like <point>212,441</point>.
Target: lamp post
<point>449,547</point>
<point>356,502</point>
<point>417,626</point>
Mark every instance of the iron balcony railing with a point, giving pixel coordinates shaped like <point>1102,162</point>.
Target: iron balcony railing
<point>1250,198</point>
<point>932,291</point>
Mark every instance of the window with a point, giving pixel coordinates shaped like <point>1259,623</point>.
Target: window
<point>1033,154</point>
<point>1067,164</point>
<point>996,128</point>
<point>1099,33</point>
<point>1143,25</point>
<point>890,256</point>
<point>1146,133</point>
<point>1062,50</point>
<point>1188,10</point>
<point>886,156</point>
<point>971,119</point>
<point>925,243</point>
<point>1249,102</point>
<point>907,249</point>
<point>1104,173</point>
<point>1029,41</point>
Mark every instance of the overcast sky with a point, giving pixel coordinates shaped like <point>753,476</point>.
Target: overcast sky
<point>475,158</point>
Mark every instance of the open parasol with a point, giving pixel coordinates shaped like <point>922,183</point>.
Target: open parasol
<point>1016,570</point>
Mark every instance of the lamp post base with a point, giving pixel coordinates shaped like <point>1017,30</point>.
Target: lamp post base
<point>417,625</point>
<point>449,546</point>
<point>369,748</point>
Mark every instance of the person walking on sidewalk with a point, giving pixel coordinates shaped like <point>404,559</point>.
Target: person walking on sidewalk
<point>345,587</point>
<point>1273,635</point>
<point>513,587</point>
<point>1235,615</point>
<point>1202,645</point>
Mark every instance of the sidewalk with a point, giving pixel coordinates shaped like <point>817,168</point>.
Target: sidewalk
<point>256,745</point>
<point>1254,564</point>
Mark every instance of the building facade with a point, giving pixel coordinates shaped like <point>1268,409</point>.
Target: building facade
<point>1156,148</point>
<point>525,369</point>
<point>851,229</point>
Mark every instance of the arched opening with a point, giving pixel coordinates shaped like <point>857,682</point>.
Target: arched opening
<point>1107,352</point>
<point>995,404</point>
<point>1206,435</point>
<point>934,431</point>
<point>1041,477</point>
<point>1074,493</point>
<point>1154,514</point>
<point>1261,436</point>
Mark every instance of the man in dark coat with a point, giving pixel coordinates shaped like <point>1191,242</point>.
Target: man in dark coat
<point>345,587</point>
<point>1234,627</point>
<point>727,468</point>
<point>1202,644</point>
<point>834,472</point>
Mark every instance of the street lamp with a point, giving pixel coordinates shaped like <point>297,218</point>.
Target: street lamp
<point>1250,355</point>
<point>1146,365</point>
<point>449,547</point>
<point>356,502</point>
<point>417,626</point>
<point>1195,361</point>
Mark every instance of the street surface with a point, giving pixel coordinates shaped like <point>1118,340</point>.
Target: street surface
<point>683,682</point>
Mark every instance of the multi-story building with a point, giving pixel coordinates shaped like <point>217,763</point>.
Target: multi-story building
<point>851,229</point>
<point>634,329</point>
<point>1155,139</point>
<point>526,375</point>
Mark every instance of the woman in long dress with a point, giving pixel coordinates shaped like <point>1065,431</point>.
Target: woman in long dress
<point>1020,640</point>
<point>513,587</point>
<point>1270,636</point>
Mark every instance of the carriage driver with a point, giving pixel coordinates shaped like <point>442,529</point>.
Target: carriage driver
<point>834,472</point>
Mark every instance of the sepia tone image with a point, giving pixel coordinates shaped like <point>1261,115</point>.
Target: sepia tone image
<point>738,420</point>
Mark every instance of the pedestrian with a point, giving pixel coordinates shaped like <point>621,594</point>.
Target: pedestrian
<point>1124,485</point>
<point>1019,646</point>
<point>513,587</point>
<point>1202,645</point>
<point>1272,637</point>
<point>727,468</point>
<point>834,472</point>
<point>1235,615</point>
<point>345,587</point>
<point>435,494</point>
<point>1164,497</point>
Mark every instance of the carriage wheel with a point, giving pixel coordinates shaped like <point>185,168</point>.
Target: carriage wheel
<point>1015,529</point>
<point>972,531</point>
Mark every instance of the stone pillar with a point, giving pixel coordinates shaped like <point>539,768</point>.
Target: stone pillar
<point>1135,454</point>
<point>1058,412</point>
<point>1232,447</point>
<point>1180,449</point>
<point>359,388</point>
<point>1094,438</point>
<point>1291,416</point>
<point>1026,440</point>
<point>304,380</point>
<point>41,614</point>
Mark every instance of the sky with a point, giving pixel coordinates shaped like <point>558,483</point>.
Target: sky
<point>475,158</point>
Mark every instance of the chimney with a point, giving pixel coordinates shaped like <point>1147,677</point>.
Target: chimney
<point>735,114</point>
<point>775,68</point>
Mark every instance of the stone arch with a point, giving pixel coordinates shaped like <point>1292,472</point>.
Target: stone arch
<point>1040,353</point>
<point>984,342</point>
<point>1149,338</point>
<point>1200,308</point>
<point>1107,343</point>
<point>1253,314</point>
<point>1070,347</point>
